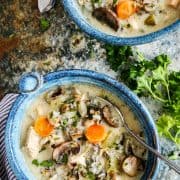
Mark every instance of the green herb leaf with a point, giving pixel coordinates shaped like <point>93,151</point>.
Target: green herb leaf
<point>44,24</point>
<point>169,127</point>
<point>150,78</point>
<point>47,163</point>
<point>35,162</point>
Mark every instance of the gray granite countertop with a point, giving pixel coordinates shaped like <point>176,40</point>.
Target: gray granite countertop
<point>63,46</point>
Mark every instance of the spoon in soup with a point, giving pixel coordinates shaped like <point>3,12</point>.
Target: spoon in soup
<point>139,139</point>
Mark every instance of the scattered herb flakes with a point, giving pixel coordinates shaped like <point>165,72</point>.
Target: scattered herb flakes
<point>150,78</point>
<point>44,24</point>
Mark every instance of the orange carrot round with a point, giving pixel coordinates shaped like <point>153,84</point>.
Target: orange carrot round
<point>95,133</point>
<point>43,127</point>
<point>125,9</point>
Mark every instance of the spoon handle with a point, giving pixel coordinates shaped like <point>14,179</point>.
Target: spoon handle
<point>169,163</point>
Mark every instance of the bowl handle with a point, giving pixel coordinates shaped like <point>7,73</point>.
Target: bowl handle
<point>30,82</point>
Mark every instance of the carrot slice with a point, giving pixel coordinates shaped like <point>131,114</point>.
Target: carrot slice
<point>125,9</point>
<point>95,133</point>
<point>43,127</point>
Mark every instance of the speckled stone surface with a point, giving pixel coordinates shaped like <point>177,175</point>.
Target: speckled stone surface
<point>63,46</point>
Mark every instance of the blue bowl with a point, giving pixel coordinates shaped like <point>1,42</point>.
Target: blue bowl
<point>74,12</point>
<point>32,85</point>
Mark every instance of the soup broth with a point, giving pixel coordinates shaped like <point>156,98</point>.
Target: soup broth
<point>150,16</point>
<point>69,133</point>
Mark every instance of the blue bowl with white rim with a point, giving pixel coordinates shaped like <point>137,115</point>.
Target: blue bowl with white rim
<point>73,10</point>
<point>33,85</point>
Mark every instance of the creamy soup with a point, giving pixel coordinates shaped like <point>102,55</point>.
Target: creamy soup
<point>127,18</point>
<point>71,133</point>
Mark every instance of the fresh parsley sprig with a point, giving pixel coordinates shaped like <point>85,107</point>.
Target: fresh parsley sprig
<point>150,78</point>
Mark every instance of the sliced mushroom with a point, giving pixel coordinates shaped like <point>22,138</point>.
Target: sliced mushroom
<point>108,117</point>
<point>70,147</point>
<point>130,165</point>
<point>139,150</point>
<point>54,93</point>
<point>132,147</point>
<point>57,92</point>
<point>107,16</point>
<point>56,96</point>
<point>128,147</point>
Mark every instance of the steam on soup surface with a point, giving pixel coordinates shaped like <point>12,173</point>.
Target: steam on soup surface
<point>69,133</point>
<point>127,18</point>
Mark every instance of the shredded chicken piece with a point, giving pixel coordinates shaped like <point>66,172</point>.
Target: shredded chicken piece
<point>33,143</point>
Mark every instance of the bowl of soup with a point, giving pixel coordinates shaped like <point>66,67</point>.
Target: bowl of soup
<point>125,22</point>
<point>59,128</point>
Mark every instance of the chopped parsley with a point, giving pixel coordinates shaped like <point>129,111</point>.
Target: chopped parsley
<point>35,162</point>
<point>45,163</point>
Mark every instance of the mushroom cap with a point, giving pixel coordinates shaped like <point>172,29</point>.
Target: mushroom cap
<point>108,16</point>
<point>65,148</point>
<point>107,115</point>
<point>131,146</point>
<point>130,165</point>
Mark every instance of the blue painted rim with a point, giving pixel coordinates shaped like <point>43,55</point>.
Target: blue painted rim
<point>72,10</point>
<point>10,152</point>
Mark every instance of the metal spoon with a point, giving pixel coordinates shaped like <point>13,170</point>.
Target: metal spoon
<point>168,162</point>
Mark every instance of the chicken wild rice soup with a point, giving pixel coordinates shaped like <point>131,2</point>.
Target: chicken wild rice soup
<point>69,134</point>
<point>127,18</point>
